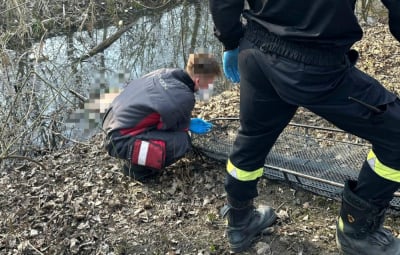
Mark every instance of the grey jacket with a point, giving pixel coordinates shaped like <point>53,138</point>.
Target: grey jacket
<point>160,100</point>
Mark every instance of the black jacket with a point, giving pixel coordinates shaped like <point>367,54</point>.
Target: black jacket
<point>321,23</point>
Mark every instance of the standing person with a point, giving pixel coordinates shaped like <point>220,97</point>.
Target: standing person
<point>298,53</point>
<point>147,124</point>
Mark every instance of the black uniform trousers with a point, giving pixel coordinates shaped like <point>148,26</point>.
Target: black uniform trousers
<point>278,77</point>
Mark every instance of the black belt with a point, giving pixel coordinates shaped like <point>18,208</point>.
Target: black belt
<point>269,42</point>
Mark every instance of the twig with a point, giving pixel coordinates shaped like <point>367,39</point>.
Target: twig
<point>85,15</point>
<point>151,8</point>
<point>185,236</point>
<point>279,207</point>
<point>15,7</point>
<point>79,96</point>
<point>34,248</point>
<point>70,139</point>
<point>23,158</point>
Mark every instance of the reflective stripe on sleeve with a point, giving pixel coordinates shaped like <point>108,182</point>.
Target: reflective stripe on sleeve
<point>380,169</point>
<point>242,175</point>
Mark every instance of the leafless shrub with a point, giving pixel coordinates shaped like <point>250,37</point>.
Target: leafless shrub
<point>27,123</point>
<point>30,124</point>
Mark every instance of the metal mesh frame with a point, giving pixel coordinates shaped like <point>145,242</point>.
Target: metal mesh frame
<point>313,158</point>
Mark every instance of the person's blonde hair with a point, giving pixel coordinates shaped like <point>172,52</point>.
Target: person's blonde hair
<point>203,64</point>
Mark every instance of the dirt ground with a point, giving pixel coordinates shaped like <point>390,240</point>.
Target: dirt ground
<point>82,204</point>
<point>77,201</point>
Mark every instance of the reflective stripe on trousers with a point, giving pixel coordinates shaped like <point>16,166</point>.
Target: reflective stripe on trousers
<point>243,175</point>
<point>382,170</point>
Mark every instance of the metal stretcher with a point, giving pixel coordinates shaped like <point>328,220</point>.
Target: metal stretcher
<point>317,159</point>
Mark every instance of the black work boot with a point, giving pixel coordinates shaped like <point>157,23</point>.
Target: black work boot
<point>245,222</point>
<point>139,173</point>
<point>359,229</point>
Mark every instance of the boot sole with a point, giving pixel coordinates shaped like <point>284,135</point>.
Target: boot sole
<point>246,243</point>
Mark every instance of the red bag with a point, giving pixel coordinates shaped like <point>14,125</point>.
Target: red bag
<point>149,153</point>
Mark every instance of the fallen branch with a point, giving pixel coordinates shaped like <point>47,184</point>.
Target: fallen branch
<point>110,40</point>
<point>106,43</point>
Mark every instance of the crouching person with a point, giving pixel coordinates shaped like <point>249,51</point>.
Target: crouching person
<point>148,123</point>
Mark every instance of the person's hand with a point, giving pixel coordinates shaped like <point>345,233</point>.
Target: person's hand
<point>230,65</point>
<point>199,126</point>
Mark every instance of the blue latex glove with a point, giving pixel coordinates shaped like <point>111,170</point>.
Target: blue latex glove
<point>230,65</point>
<point>199,126</point>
